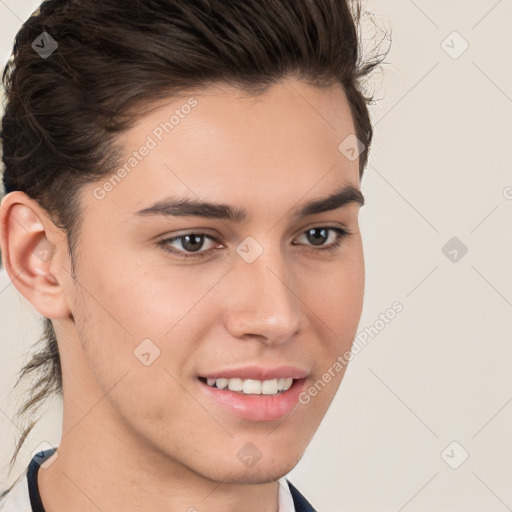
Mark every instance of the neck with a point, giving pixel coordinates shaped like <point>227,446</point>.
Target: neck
<point>90,476</point>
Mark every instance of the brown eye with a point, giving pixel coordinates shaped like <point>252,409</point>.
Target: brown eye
<point>192,242</point>
<point>317,237</point>
<point>189,242</point>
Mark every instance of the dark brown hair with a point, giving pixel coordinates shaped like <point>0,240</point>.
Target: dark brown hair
<point>63,112</point>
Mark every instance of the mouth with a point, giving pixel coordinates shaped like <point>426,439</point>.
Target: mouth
<point>250,386</point>
<point>250,399</point>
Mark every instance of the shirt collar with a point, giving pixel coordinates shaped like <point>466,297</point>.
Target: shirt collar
<point>285,498</point>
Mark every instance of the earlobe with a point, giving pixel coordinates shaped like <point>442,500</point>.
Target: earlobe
<point>28,243</point>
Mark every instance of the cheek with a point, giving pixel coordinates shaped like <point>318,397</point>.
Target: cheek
<point>337,305</point>
<point>130,361</point>
<point>135,313</point>
<point>336,296</point>
<point>144,299</point>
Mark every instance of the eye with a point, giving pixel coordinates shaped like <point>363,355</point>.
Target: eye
<point>189,242</point>
<point>192,243</point>
<point>318,235</point>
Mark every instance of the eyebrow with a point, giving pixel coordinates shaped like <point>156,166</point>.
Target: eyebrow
<point>184,207</point>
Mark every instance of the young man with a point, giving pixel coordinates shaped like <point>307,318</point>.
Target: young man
<point>183,190</point>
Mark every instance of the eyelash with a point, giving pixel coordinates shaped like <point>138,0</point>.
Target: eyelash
<point>340,235</point>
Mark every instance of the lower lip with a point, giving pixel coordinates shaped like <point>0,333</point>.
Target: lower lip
<point>256,407</point>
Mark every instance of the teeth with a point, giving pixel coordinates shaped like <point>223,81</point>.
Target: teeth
<point>235,384</point>
<point>252,387</point>
<point>221,383</point>
<point>270,387</point>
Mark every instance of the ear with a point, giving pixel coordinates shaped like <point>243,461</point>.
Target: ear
<point>34,254</point>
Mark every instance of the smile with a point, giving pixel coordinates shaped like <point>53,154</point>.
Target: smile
<point>251,386</point>
<point>250,399</point>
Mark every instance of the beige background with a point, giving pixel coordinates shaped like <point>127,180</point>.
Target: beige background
<point>440,371</point>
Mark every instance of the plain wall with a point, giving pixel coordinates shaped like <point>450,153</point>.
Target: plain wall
<point>436,381</point>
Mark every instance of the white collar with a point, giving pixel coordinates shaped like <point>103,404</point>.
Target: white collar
<point>285,498</point>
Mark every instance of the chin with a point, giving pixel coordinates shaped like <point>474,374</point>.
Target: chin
<point>261,471</point>
<point>255,475</point>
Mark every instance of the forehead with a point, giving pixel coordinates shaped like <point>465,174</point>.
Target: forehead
<point>220,142</point>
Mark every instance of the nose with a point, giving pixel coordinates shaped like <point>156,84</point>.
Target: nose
<point>263,302</point>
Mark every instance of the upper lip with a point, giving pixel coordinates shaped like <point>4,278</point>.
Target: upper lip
<point>257,373</point>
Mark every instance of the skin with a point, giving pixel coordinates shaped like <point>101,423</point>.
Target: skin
<point>152,439</point>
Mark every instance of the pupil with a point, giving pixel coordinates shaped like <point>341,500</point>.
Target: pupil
<point>320,239</point>
<point>192,246</point>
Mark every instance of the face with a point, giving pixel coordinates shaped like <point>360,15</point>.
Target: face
<point>169,299</point>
